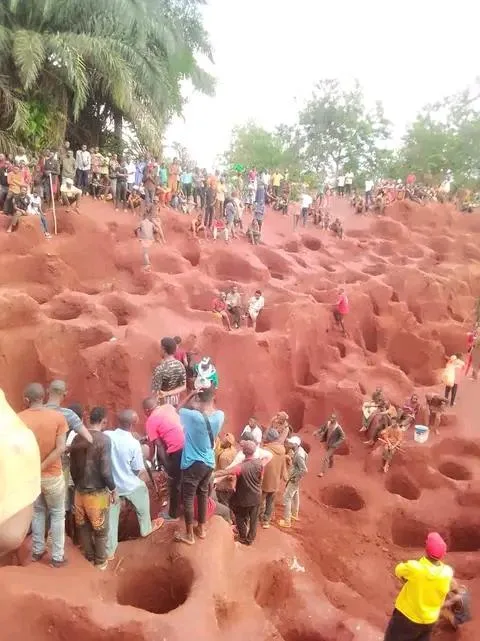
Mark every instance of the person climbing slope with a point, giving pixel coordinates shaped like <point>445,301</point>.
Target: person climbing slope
<point>427,582</point>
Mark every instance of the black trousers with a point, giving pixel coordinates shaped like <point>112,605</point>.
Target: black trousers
<point>246,519</point>
<point>402,629</point>
<point>82,180</point>
<point>195,482</point>
<point>451,392</point>
<point>187,189</point>
<point>224,497</point>
<point>174,482</point>
<point>208,220</point>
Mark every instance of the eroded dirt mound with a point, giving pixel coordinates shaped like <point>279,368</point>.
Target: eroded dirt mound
<point>80,307</point>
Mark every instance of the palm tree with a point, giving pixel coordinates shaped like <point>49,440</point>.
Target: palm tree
<point>97,61</point>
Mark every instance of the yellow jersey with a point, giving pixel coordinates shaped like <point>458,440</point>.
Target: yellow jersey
<point>426,586</point>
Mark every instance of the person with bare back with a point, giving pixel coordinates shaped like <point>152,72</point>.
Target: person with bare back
<point>149,232</point>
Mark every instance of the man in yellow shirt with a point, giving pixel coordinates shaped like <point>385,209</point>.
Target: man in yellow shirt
<point>426,584</point>
<point>276,181</point>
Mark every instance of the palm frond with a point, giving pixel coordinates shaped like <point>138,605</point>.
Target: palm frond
<point>28,55</point>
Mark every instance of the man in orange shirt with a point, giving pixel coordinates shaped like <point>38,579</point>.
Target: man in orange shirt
<point>173,174</point>
<point>15,182</point>
<point>49,428</point>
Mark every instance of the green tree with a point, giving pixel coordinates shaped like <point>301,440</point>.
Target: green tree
<point>338,132</point>
<point>446,137</point>
<point>98,64</point>
<point>253,146</point>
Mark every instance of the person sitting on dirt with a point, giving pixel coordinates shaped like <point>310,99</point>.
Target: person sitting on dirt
<point>234,305</point>
<point>197,226</point>
<point>436,406</point>
<point>332,435</point>
<point>214,507</point>
<point>359,205</point>
<point>202,423</point>
<point>253,232</point>
<point>255,306</point>
<point>297,471</point>
<point>20,203</point>
<point>148,232</point>
<point>95,490</point>
<point>134,200</point>
<point>206,374</point>
<point>369,407</point>
<point>341,309</point>
<point>378,421</point>
<point>169,378</point>
<point>426,583</point>
<point>457,607</point>
<point>318,213</point>
<point>247,497</point>
<point>337,228</point>
<point>408,415</point>
<point>219,308</point>
<point>130,478</point>
<point>70,195</point>
<point>35,209</point>
<point>391,438</point>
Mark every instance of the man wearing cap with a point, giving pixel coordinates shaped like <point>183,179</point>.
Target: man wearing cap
<point>426,584</point>
<point>245,502</point>
<point>298,469</point>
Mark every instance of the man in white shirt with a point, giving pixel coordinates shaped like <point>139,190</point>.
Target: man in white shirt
<point>341,185</point>
<point>131,172</point>
<point>266,178</point>
<point>255,306</point>
<point>83,163</point>
<point>129,472</point>
<point>35,208</point>
<point>21,156</point>
<point>254,429</point>
<point>305,203</point>
<point>368,193</point>
<point>348,182</point>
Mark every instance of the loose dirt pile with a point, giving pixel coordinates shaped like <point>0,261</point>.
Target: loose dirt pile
<point>80,308</point>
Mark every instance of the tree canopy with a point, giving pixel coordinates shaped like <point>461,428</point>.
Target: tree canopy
<point>253,146</point>
<point>83,67</point>
<point>336,131</point>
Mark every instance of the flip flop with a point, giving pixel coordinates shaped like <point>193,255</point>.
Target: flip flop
<point>181,538</point>
<point>156,525</point>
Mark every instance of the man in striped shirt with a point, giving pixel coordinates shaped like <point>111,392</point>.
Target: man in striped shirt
<point>169,378</point>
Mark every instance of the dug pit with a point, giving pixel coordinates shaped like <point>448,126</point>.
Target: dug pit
<point>401,484</point>
<point>343,497</point>
<point>157,588</point>
<point>455,470</point>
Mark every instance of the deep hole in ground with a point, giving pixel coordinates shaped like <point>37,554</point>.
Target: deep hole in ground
<point>408,532</point>
<point>464,537</point>
<point>398,482</point>
<point>156,589</point>
<point>301,635</point>
<point>344,497</point>
<point>275,585</point>
<point>454,470</point>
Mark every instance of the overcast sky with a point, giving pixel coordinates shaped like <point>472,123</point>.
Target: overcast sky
<point>270,53</point>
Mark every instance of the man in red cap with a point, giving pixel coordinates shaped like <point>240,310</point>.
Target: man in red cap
<point>426,584</point>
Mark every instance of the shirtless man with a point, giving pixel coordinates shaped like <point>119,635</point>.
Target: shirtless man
<point>148,232</point>
<point>337,228</point>
<point>436,405</point>
<point>219,307</point>
<point>198,226</point>
<point>253,232</point>
<point>391,438</point>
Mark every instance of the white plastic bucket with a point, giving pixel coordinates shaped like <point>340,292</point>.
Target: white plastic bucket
<point>421,433</point>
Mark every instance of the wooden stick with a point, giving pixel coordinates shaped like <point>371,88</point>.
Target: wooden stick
<point>53,203</point>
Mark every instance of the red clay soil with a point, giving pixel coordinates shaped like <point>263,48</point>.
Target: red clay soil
<point>79,307</point>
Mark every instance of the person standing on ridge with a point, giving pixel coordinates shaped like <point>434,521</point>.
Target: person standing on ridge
<point>427,582</point>
<point>169,378</point>
<point>333,436</point>
<point>341,309</point>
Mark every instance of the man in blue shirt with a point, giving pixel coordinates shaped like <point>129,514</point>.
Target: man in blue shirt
<point>128,469</point>
<point>202,423</point>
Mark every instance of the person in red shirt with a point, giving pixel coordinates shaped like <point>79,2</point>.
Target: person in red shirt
<point>180,353</point>
<point>219,306</point>
<point>165,432</point>
<point>341,309</point>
